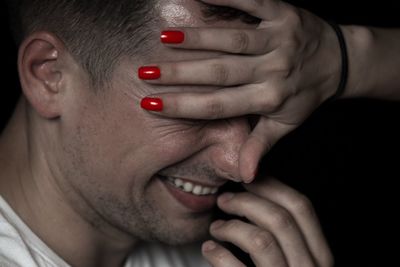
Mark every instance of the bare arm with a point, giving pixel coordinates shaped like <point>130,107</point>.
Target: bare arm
<point>374,61</point>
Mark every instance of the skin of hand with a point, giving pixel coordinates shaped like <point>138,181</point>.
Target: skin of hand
<point>280,71</point>
<point>283,229</point>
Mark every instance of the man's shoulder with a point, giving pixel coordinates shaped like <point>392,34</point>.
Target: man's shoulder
<point>18,245</point>
<point>4,262</point>
<point>13,251</point>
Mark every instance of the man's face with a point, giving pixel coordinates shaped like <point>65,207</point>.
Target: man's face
<point>125,161</point>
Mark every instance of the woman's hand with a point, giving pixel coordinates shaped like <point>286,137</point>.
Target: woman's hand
<point>282,71</point>
<point>283,229</point>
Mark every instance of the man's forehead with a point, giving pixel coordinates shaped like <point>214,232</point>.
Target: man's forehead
<point>179,13</point>
<point>190,13</point>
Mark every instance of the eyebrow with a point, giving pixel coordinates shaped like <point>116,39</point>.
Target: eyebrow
<point>212,13</point>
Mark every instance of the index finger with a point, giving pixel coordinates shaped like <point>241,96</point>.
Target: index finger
<point>236,41</point>
<point>263,9</point>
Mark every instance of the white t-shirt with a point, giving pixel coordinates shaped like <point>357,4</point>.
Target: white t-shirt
<point>20,247</point>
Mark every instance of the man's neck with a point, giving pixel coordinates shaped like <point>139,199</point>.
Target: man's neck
<point>26,183</point>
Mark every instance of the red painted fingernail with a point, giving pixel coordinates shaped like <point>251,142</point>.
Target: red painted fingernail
<point>172,37</point>
<point>152,104</point>
<point>149,73</point>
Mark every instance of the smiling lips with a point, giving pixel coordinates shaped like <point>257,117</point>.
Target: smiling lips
<point>192,188</point>
<point>196,197</point>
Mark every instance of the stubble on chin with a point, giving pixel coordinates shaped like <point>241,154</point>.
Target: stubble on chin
<point>143,220</point>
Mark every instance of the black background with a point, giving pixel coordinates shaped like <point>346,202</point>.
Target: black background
<point>344,157</point>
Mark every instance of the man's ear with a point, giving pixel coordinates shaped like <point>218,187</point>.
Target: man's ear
<point>41,72</point>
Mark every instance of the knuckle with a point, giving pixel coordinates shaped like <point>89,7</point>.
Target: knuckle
<point>294,29</point>
<point>173,72</point>
<point>193,37</point>
<point>282,220</point>
<point>220,72</point>
<point>294,17</point>
<point>244,198</point>
<point>240,42</point>
<point>232,225</point>
<point>284,64</point>
<point>302,205</point>
<point>294,44</point>
<point>285,67</point>
<point>214,108</point>
<point>262,241</point>
<point>228,227</point>
<point>241,203</point>
<point>253,6</point>
<point>265,42</point>
<point>220,256</point>
<point>271,101</point>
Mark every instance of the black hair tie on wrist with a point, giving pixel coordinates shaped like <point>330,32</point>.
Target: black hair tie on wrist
<point>345,64</point>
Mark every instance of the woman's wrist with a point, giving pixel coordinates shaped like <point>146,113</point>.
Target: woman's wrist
<point>344,62</point>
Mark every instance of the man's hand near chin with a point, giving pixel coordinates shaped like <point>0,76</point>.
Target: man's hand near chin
<point>282,229</point>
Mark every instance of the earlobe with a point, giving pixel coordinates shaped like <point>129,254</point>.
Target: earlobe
<point>40,72</point>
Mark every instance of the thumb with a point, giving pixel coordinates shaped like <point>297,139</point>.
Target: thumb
<point>264,136</point>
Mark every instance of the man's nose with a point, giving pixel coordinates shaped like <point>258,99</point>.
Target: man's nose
<point>226,137</point>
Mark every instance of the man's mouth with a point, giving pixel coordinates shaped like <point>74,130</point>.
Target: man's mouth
<point>190,187</point>
<point>193,195</point>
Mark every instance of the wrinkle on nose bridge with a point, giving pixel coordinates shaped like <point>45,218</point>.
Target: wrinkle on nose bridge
<point>236,128</point>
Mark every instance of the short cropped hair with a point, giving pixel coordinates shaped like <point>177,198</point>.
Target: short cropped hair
<point>97,33</point>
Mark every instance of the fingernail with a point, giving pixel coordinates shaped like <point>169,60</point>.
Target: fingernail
<point>226,197</point>
<point>149,73</point>
<point>172,37</point>
<point>217,224</point>
<point>152,104</point>
<point>249,180</point>
<point>209,245</point>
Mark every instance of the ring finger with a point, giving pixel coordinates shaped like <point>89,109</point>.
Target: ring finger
<point>261,245</point>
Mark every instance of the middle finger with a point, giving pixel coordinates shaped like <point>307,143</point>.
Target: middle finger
<point>273,218</point>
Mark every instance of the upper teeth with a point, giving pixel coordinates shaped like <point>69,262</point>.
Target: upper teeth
<point>189,187</point>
